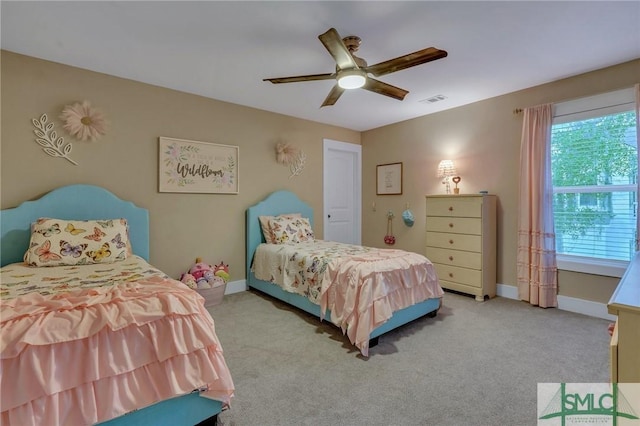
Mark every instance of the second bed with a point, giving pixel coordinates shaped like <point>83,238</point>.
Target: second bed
<point>365,291</point>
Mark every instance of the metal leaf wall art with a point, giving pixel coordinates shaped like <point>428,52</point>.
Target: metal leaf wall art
<point>297,165</point>
<point>48,138</point>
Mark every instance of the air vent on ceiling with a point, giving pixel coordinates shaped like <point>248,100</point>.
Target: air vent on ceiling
<point>433,99</point>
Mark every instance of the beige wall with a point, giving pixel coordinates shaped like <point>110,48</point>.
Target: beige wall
<point>125,161</point>
<point>484,140</point>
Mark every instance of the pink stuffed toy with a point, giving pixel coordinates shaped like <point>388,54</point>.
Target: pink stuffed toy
<point>200,274</point>
<point>189,280</point>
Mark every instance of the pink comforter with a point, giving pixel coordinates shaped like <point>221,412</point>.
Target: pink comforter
<point>361,286</point>
<point>362,291</point>
<point>90,355</point>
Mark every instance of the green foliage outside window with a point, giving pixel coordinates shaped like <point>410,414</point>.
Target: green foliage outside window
<point>587,153</point>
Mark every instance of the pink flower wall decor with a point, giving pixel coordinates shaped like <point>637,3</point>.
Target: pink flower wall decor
<point>84,122</point>
<point>285,153</point>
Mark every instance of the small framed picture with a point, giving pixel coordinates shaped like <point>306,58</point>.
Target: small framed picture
<point>389,179</point>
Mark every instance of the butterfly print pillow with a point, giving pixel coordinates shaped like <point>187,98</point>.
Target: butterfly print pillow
<point>56,242</point>
<point>291,230</point>
<point>267,231</point>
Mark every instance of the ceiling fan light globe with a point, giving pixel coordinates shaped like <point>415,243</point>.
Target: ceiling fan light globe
<point>353,79</point>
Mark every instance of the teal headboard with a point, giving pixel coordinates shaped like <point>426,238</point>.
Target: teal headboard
<point>73,202</point>
<point>279,202</point>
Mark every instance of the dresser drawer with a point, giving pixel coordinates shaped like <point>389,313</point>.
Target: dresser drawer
<point>461,242</point>
<point>456,225</point>
<point>453,206</point>
<point>465,259</point>
<point>471,277</point>
<point>454,241</point>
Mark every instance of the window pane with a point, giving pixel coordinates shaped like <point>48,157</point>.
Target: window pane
<point>603,229</point>
<point>594,173</point>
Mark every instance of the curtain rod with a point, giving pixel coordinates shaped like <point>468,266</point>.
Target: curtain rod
<point>519,110</point>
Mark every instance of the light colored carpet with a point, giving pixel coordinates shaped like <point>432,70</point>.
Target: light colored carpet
<point>474,364</point>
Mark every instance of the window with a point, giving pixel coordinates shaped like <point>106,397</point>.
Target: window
<point>594,168</point>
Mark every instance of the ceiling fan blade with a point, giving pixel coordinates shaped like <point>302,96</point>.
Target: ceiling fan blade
<point>294,79</point>
<point>411,60</point>
<point>386,89</point>
<point>334,44</point>
<point>333,96</point>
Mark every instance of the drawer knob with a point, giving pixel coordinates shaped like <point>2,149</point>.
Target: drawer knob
<point>451,225</point>
<point>450,274</point>
<point>450,208</point>
<point>450,241</point>
<point>451,258</point>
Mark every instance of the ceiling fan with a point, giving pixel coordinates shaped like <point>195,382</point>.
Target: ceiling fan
<point>352,71</point>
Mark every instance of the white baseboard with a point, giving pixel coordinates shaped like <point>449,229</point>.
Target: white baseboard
<point>235,286</point>
<point>586,307</point>
<point>571,304</point>
<point>566,303</point>
<point>508,291</point>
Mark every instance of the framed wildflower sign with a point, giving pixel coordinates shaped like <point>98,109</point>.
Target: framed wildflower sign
<point>197,167</point>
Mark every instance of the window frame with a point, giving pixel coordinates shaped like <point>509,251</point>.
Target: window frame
<point>618,101</point>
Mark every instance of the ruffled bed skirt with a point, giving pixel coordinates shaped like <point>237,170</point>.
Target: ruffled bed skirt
<point>88,356</point>
<point>363,291</point>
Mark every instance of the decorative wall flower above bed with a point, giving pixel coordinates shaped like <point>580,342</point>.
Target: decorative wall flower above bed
<point>285,153</point>
<point>291,156</point>
<point>84,122</point>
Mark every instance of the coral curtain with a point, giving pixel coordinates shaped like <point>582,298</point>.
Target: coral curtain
<point>637,89</point>
<point>537,269</point>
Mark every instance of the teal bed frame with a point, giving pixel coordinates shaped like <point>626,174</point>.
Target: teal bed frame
<point>281,202</point>
<point>87,202</point>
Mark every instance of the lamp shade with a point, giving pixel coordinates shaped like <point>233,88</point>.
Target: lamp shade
<point>446,168</point>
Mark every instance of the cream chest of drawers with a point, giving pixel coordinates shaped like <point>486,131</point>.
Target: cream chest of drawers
<point>461,242</point>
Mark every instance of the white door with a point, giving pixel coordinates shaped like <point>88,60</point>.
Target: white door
<point>342,192</point>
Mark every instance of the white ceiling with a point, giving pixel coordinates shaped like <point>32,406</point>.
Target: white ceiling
<point>223,50</point>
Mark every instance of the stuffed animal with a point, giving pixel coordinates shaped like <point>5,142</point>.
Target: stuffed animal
<point>216,282</point>
<point>222,271</point>
<point>202,273</point>
<point>189,280</point>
